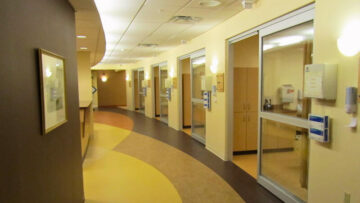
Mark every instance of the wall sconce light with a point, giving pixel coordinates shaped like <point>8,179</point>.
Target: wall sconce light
<point>127,77</point>
<point>171,73</point>
<point>349,41</point>
<point>214,66</point>
<point>104,78</point>
<point>147,77</point>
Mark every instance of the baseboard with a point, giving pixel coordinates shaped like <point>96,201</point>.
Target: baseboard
<point>289,149</point>
<point>157,115</point>
<point>245,152</point>
<point>187,126</point>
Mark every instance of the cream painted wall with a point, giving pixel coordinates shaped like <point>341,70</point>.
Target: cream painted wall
<point>335,168</point>
<point>214,41</point>
<point>84,75</point>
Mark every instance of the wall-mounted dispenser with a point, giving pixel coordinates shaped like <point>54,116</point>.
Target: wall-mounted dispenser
<point>351,100</point>
<point>206,83</point>
<point>287,93</point>
<point>319,128</point>
<point>320,81</point>
<point>206,99</point>
<point>168,84</point>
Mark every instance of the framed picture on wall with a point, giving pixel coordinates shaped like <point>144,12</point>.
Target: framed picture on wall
<point>53,94</point>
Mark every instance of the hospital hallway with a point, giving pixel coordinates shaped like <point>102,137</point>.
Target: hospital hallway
<point>132,158</point>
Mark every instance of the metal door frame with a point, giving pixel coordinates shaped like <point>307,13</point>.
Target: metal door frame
<point>194,56</point>
<point>300,16</point>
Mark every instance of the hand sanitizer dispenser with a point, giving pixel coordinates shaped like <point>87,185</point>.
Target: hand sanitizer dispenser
<point>319,128</point>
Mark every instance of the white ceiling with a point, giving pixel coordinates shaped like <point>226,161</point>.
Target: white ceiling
<point>127,23</point>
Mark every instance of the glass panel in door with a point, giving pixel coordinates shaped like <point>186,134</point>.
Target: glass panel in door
<point>198,111</point>
<point>284,140</point>
<point>163,95</point>
<point>141,92</point>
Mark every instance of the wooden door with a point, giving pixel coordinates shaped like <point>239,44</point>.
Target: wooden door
<point>240,83</point>
<point>251,130</point>
<point>186,100</point>
<point>157,91</point>
<point>252,93</point>
<point>239,138</point>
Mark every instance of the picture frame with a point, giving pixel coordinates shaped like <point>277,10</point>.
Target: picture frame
<point>53,90</point>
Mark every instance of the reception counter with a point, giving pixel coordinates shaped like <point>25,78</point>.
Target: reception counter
<point>86,124</point>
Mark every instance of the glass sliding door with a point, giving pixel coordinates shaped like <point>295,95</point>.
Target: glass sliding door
<point>197,111</point>
<point>141,78</point>
<point>286,47</point>
<point>163,74</point>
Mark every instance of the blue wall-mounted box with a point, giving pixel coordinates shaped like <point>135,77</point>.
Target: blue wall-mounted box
<point>319,128</point>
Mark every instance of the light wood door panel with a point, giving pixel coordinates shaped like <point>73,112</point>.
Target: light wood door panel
<point>240,83</point>
<point>239,141</point>
<point>186,100</point>
<point>252,89</point>
<point>251,130</point>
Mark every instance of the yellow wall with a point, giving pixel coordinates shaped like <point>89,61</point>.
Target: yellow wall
<point>335,168</point>
<point>84,75</point>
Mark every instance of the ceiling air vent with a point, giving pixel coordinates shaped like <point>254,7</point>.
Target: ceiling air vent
<point>184,19</point>
<point>149,45</point>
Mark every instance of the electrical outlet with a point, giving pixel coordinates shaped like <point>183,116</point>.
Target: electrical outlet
<point>347,197</point>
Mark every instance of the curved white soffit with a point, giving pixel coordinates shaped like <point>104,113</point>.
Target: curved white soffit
<point>111,15</point>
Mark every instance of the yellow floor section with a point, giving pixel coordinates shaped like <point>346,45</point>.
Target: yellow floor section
<point>111,176</point>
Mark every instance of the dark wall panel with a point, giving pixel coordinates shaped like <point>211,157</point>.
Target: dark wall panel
<point>37,168</point>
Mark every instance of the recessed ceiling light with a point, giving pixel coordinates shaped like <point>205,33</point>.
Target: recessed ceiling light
<point>81,36</point>
<point>83,48</point>
<point>210,3</point>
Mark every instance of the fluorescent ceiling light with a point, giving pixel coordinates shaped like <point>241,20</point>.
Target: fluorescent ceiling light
<point>199,61</point>
<point>81,36</point>
<point>210,3</point>
<point>83,48</point>
<point>268,46</point>
<point>284,41</point>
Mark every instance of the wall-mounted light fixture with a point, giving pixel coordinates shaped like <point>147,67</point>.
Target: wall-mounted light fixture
<point>349,41</point>
<point>104,77</point>
<point>127,77</point>
<point>214,65</point>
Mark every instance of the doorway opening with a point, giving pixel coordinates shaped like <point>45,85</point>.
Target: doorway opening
<point>192,114</point>
<point>245,103</point>
<point>186,95</point>
<point>156,91</point>
<point>139,91</point>
<point>161,92</point>
<point>136,90</point>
